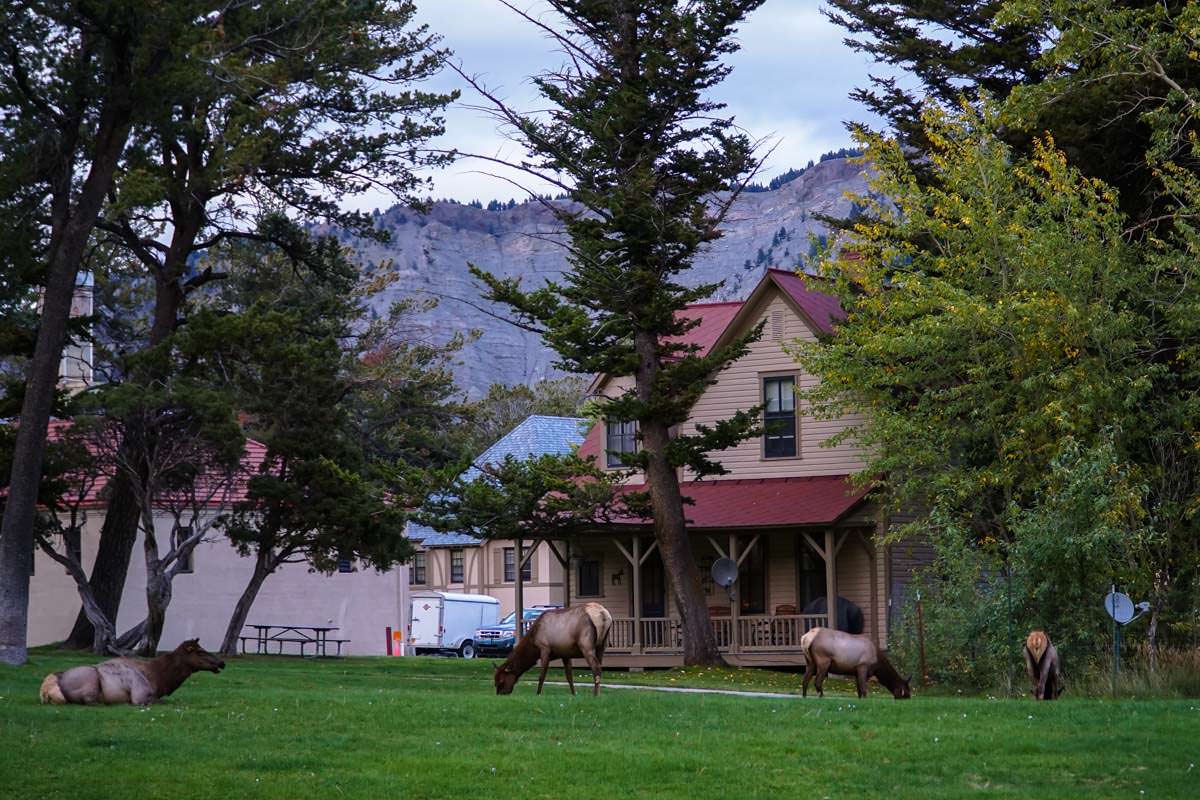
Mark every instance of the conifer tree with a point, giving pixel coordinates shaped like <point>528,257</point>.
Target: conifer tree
<point>652,169</point>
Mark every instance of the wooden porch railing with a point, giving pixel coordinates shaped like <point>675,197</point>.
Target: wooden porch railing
<point>760,633</point>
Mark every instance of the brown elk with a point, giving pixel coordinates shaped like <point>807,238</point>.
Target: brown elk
<point>129,680</point>
<point>827,650</point>
<point>1043,667</point>
<point>566,633</point>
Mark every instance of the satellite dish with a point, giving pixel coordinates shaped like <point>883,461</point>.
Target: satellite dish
<point>1119,607</point>
<point>725,571</point>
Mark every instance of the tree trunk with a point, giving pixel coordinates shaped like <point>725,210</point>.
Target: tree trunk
<point>119,533</point>
<point>670,529</point>
<point>71,229</point>
<point>117,538</point>
<point>264,565</point>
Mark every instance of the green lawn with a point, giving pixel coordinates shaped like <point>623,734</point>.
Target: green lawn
<point>416,728</point>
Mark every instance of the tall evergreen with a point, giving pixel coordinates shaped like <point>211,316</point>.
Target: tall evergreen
<point>653,169</point>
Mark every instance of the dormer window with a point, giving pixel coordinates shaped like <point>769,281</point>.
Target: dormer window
<point>779,417</point>
<point>621,437</point>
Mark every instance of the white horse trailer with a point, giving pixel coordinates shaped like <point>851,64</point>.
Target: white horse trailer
<point>445,622</point>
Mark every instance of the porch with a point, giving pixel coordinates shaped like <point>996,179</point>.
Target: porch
<point>759,622</point>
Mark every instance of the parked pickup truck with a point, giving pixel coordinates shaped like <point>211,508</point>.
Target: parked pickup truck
<point>499,639</point>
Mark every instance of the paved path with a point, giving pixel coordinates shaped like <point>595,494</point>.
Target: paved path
<point>684,690</point>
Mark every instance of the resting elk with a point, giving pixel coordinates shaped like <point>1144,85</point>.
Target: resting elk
<point>1041,662</point>
<point>576,632</point>
<point>827,650</point>
<point>129,680</point>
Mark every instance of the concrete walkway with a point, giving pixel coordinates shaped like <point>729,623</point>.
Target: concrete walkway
<point>680,690</point>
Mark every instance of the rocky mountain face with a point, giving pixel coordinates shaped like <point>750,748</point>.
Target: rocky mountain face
<point>430,253</point>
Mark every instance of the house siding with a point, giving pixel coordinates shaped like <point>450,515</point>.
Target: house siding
<point>740,387</point>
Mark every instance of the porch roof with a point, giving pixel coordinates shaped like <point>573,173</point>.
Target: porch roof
<point>766,502</point>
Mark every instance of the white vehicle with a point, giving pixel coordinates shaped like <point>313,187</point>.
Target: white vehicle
<point>444,622</point>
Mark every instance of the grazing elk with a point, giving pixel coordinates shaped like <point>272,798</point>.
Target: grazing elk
<point>129,680</point>
<point>827,650</point>
<point>566,633</point>
<point>1042,664</point>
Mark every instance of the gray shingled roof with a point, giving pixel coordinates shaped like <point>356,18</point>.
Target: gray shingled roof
<point>537,435</point>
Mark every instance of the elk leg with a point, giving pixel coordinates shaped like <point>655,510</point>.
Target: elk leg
<point>1031,671</point>
<point>822,671</point>
<point>590,657</point>
<point>810,669</point>
<point>567,671</point>
<point>860,679</point>
<point>545,660</point>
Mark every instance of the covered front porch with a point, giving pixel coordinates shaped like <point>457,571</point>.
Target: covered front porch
<point>758,622</point>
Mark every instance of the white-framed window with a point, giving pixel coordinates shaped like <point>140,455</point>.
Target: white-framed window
<point>416,570</point>
<point>457,560</point>
<point>182,534</point>
<point>779,416</point>
<point>621,436</point>
<point>510,567</point>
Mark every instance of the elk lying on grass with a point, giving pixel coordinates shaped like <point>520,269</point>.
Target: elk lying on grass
<point>129,680</point>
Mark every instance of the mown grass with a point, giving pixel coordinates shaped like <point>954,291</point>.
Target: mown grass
<point>433,728</point>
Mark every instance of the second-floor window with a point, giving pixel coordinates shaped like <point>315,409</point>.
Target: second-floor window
<point>779,417</point>
<point>456,566</point>
<point>510,567</point>
<point>621,438</point>
<point>416,572</point>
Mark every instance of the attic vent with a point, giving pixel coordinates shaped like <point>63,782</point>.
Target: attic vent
<point>777,326</point>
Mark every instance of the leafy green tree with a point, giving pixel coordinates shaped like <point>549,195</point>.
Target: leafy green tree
<point>1010,346</point>
<point>309,102</point>
<point>652,169</point>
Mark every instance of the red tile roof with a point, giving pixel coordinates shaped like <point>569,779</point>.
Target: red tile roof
<point>766,502</point>
<point>823,309</point>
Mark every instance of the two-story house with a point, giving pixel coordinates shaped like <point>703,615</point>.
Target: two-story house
<point>785,512</point>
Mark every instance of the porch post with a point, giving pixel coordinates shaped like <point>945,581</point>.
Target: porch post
<point>874,561</point>
<point>637,594</point>
<point>519,560</point>
<point>830,579</point>
<point>567,574</point>
<point>735,605</point>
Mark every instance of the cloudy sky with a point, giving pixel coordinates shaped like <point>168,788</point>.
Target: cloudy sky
<point>790,83</point>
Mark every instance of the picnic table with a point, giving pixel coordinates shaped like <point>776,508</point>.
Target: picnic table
<point>316,636</point>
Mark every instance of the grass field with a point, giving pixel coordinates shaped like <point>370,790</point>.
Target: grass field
<point>433,728</point>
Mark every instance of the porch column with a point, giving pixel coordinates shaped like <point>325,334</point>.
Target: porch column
<point>830,579</point>
<point>518,560</point>
<point>735,604</point>
<point>637,594</point>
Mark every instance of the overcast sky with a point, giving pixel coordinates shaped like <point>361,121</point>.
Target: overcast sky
<point>790,83</point>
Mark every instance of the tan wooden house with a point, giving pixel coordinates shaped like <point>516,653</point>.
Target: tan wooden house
<point>785,512</point>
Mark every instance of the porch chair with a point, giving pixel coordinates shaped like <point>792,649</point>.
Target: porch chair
<point>720,632</point>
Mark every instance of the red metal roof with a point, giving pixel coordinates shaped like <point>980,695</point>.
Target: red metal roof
<point>714,318</point>
<point>823,309</point>
<point>91,489</point>
<point>766,502</point>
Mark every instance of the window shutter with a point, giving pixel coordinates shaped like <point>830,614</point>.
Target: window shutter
<point>533,567</point>
<point>498,563</point>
